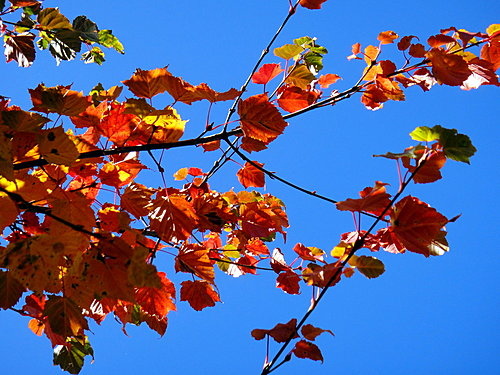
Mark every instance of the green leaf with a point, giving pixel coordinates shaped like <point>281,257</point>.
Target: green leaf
<point>95,55</point>
<point>107,39</point>
<point>425,134</point>
<point>314,60</point>
<point>370,267</point>
<point>305,41</point>
<point>456,146</point>
<point>71,357</point>
<point>288,51</point>
<point>88,29</point>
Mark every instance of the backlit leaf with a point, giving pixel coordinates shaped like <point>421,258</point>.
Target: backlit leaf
<point>51,18</point>
<point>10,290</point>
<point>293,98</point>
<point>266,73</point>
<point>107,39</point>
<point>58,99</point>
<point>199,294</point>
<point>288,281</point>
<point>373,200</point>
<point>260,119</point>
<point>251,176</point>
<point>449,69</point>
<point>195,259</point>
<point>328,79</point>
<point>71,356</point>
<point>65,317</point>
<point>20,48</point>
<point>281,332</point>
<point>312,4</point>
<point>369,266</point>
<point>387,37</point>
<point>288,51</point>
<point>57,147</point>
<point>147,83</point>
<point>157,301</point>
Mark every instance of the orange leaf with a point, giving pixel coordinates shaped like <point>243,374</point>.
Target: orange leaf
<point>117,124</point>
<point>194,259</point>
<point>266,73</point>
<point>199,294</point>
<point>387,37</point>
<point>417,50</point>
<point>59,99</point>
<point>448,69</point>
<point>416,224</point>
<point>312,4</point>
<point>250,175</point>
<point>211,146</point>
<point>328,79</point>
<point>172,217</point>
<point>293,98</point>
<point>203,91</point>
<point>306,349</point>
<point>440,39</point>
<point>491,51</point>
<point>373,200</point>
<point>120,173</point>
<point>310,332</point>
<point>157,301</point>
<point>405,42</point>
<point>280,332</point>
<point>147,83</point>
<point>373,97</point>
<point>135,199</point>
<point>308,253</point>
<point>260,119</point>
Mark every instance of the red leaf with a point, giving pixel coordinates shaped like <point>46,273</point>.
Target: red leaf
<point>306,349</point>
<point>194,259</point>
<point>373,200</point>
<point>429,172</point>
<point>312,4</point>
<point>288,281</point>
<point>448,69</point>
<point>280,332</point>
<point>440,39</point>
<point>373,97</point>
<point>199,294</point>
<point>250,175</point>
<point>203,91</point>
<point>416,224</point>
<point>405,42</point>
<point>307,253</point>
<point>483,73</point>
<point>257,247</point>
<point>260,120</point>
<point>266,73</point>
<point>293,98</point>
<point>310,332</point>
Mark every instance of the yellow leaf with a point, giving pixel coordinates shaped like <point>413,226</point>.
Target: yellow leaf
<point>492,29</point>
<point>165,125</point>
<point>369,266</point>
<point>181,174</point>
<point>56,146</point>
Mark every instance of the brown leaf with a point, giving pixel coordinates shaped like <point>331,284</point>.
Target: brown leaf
<point>20,48</point>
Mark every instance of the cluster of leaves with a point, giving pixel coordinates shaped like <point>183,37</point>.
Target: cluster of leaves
<point>77,259</point>
<point>63,39</point>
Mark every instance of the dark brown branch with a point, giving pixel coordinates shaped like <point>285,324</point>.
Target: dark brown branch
<point>127,149</point>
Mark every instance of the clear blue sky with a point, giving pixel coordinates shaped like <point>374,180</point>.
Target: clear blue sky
<point>423,316</point>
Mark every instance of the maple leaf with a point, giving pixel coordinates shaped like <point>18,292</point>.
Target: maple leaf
<point>135,199</point>
<point>260,119</point>
<point>249,175</point>
<point>172,217</point>
<point>120,173</point>
<point>266,73</point>
<point>373,200</point>
<point>312,4</point>
<point>449,69</point>
<point>20,48</point>
<point>281,332</point>
<point>147,83</point>
<point>194,259</point>
<point>306,349</point>
<point>117,124</point>
<point>415,224</point>
<point>257,247</point>
<point>199,294</point>
<point>58,99</point>
<point>157,301</point>
<point>310,332</point>
<point>293,98</point>
<point>288,281</point>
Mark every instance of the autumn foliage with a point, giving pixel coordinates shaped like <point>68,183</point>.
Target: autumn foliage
<point>81,234</point>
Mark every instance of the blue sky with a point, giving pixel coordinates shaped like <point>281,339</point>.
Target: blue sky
<point>423,316</point>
